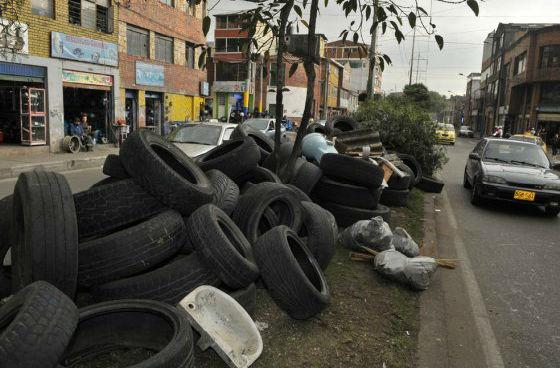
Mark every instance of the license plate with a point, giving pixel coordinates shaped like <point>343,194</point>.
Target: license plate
<point>524,195</point>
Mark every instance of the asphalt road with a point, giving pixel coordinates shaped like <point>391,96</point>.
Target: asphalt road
<point>78,179</point>
<point>503,307</point>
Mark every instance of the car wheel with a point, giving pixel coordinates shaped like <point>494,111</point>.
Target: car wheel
<point>475,197</point>
<point>552,211</point>
<point>466,183</point>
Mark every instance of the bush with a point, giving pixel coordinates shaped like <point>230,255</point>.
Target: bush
<point>404,128</point>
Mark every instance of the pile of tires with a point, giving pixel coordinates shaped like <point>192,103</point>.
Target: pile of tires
<point>350,189</point>
<point>160,225</point>
<point>411,166</point>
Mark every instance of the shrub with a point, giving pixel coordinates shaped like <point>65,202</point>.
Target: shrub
<point>404,128</point>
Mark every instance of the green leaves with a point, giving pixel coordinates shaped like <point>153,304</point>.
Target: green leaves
<point>439,41</point>
<point>368,12</point>
<point>473,4</point>
<point>293,69</point>
<point>298,11</point>
<point>202,59</point>
<point>206,25</point>
<point>412,19</point>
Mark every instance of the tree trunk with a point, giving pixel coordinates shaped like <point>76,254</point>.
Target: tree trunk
<point>284,15</point>
<point>309,65</point>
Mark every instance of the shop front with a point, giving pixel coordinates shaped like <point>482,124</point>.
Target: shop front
<point>91,95</point>
<point>229,97</point>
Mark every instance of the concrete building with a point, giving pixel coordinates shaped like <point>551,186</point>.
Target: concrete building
<point>472,117</point>
<point>60,62</point>
<point>159,46</point>
<point>356,56</point>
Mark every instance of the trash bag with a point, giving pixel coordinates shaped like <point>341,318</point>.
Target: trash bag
<point>404,243</point>
<point>375,234</point>
<point>415,272</point>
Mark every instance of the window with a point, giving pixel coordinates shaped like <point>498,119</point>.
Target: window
<point>274,74</point>
<point>95,15</point>
<point>233,21</point>
<point>233,45</point>
<point>42,7</point>
<point>550,56</point>
<point>137,41</point>
<point>520,62</point>
<point>189,54</point>
<point>164,48</point>
<point>231,71</point>
<point>221,22</point>
<point>220,45</point>
<point>167,2</point>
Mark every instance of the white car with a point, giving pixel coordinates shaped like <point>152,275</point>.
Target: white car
<point>466,131</point>
<point>265,125</point>
<point>197,139</point>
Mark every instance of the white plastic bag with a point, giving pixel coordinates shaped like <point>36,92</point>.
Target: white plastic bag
<point>415,272</point>
<point>375,234</point>
<point>404,243</point>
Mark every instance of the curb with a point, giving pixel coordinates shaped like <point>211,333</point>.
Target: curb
<point>57,166</point>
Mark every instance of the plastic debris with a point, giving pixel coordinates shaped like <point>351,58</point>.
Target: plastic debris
<point>403,242</point>
<point>415,272</point>
<point>375,234</point>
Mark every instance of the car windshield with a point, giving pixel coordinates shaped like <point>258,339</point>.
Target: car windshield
<point>445,126</point>
<point>200,134</point>
<point>520,138</point>
<point>260,124</point>
<point>465,128</point>
<point>515,153</point>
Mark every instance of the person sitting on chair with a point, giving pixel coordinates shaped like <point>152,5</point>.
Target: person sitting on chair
<point>78,130</point>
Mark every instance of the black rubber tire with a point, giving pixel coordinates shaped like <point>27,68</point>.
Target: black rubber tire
<point>321,232</point>
<point>285,151</point>
<point>399,183</point>
<point>291,274</point>
<point>222,246</point>
<point>355,170</point>
<point>394,198</point>
<point>146,324</point>
<point>45,243</point>
<point>466,183</point>
<point>104,181</point>
<point>346,216</point>
<point>265,143</point>
<point>165,171</point>
<point>169,283</point>
<point>401,166</point>
<point>299,193</point>
<point>5,228</point>
<point>430,185</point>
<point>347,194</point>
<point>252,205</point>
<point>226,192</point>
<point>258,175</point>
<point>340,123</point>
<point>102,209</point>
<point>247,297</point>
<point>36,325</point>
<point>5,284</point>
<point>234,157</point>
<point>413,164</point>
<point>551,211</point>
<point>114,168</point>
<point>131,250</point>
<point>307,177</point>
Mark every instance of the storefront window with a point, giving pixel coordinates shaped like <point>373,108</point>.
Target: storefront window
<point>164,48</point>
<point>137,41</point>
<point>42,7</point>
<point>550,56</point>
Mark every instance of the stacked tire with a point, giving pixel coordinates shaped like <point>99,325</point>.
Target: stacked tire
<point>350,189</point>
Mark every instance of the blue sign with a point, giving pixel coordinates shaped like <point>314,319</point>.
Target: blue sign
<point>150,74</point>
<point>84,49</point>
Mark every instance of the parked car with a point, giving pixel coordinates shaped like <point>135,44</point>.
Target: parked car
<point>466,131</point>
<point>509,170</point>
<point>197,139</point>
<point>445,133</point>
<point>265,125</point>
<point>529,138</point>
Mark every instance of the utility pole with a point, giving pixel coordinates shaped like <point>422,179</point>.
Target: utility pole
<point>372,55</point>
<point>412,56</point>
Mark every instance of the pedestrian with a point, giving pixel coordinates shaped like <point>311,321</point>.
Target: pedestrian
<point>79,131</point>
<point>555,143</point>
<point>533,131</point>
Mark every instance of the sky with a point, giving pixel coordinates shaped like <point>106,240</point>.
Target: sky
<point>463,32</point>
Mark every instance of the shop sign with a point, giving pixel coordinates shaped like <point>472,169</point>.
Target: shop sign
<point>87,78</point>
<point>227,86</point>
<point>83,49</point>
<point>204,88</point>
<point>150,74</point>
<point>14,37</point>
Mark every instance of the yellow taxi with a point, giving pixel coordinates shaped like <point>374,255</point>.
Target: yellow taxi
<point>528,137</point>
<point>445,133</point>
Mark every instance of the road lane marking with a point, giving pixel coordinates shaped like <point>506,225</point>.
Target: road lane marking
<point>482,320</point>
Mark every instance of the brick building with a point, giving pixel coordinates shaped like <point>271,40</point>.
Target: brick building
<point>472,117</point>
<point>61,61</point>
<point>159,45</point>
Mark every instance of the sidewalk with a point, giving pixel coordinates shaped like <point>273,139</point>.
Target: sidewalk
<point>17,159</point>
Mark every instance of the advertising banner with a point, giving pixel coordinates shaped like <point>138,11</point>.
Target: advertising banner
<point>150,74</point>
<point>83,49</point>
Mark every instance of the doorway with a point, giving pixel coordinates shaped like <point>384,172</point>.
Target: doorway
<point>94,103</point>
<point>154,112</point>
<point>131,109</point>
